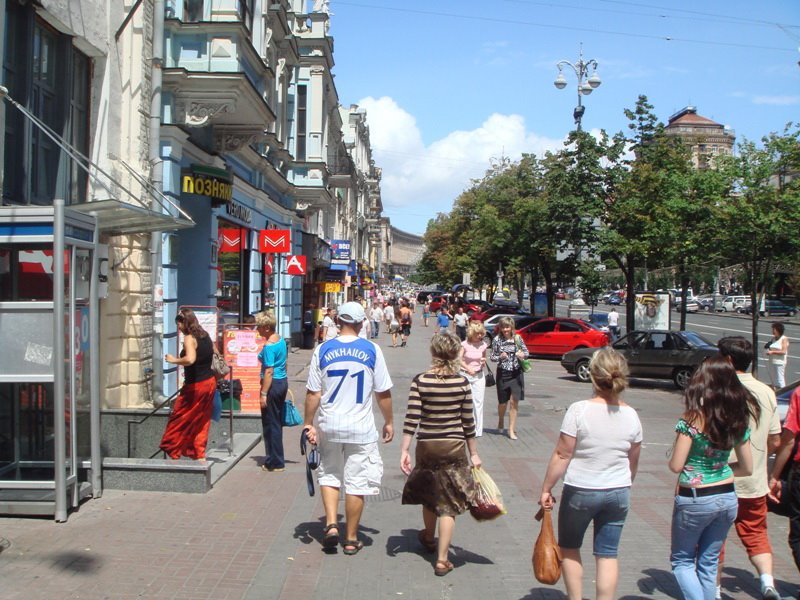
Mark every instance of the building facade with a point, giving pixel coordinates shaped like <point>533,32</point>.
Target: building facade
<point>705,138</point>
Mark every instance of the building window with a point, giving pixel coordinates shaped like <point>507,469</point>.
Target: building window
<point>51,79</point>
<point>246,13</point>
<point>192,11</point>
<point>302,123</point>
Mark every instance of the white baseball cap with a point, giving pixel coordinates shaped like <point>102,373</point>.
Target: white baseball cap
<point>351,312</point>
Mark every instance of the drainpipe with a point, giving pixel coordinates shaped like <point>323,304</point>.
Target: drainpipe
<point>156,179</point>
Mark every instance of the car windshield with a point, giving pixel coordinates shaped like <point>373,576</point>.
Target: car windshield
<point>695,339</point>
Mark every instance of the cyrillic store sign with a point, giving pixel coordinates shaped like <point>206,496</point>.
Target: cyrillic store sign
<point>216,184</point>
<point>340,250</point>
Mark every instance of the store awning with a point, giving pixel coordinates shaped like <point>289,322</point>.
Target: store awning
<point>115,217</point>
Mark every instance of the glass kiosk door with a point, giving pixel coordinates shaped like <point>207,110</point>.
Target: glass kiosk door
<point>47,267</point>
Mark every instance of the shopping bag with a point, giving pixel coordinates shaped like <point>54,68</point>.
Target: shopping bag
<point>216,407</point>
<point>488,503</point>
<point>525,364</point>
<point>291,416</point>
<point>546,553</point>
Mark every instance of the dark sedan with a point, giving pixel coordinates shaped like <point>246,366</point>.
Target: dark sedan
<point>651,354</point>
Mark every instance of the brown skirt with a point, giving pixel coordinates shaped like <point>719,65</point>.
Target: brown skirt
<point>441,480</point>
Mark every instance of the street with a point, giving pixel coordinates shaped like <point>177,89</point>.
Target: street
<point>257,535</point>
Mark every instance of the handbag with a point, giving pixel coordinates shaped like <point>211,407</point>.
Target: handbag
<point>524,363</point>
<point>546,553</point>
<point>291,416</point>
<point>490,382</point>
<point>312,460</point>
<point>218,365</point>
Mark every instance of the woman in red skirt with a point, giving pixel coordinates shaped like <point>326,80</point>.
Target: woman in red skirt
<point>187,428</point>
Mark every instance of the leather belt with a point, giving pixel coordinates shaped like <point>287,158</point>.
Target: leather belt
<point>706,491</point>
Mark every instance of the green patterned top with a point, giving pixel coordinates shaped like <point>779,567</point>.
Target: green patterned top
<point>705,464</point>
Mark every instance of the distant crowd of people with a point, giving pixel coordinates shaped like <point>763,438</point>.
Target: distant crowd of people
<point>728,428</point>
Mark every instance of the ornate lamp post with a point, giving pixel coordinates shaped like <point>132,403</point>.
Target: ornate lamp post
<point>585,84</point>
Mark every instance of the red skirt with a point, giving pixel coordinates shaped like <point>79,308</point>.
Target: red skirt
<point>187,429</point>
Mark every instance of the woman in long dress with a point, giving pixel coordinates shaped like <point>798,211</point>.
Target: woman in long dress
<point>440,412</point>
<point>187,428</point>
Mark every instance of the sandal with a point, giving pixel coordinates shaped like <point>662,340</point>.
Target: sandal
<point>351,547</point>
<point>429,545</point>
<point>442,568</point>
<point>331,540</point>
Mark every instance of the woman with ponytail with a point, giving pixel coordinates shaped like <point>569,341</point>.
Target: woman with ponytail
<point>716,420</point>
<point>597,454</point>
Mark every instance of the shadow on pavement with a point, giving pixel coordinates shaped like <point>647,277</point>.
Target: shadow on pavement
<point>407,542</point>
<point>544,593</point>
<point>658,580</point>
<point>312,532</point>
<point>736,582</point>
<point>76,562</point>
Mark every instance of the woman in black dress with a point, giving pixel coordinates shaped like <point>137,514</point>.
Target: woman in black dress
<point>508,350</point>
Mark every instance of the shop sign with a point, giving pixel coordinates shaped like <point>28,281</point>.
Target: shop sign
<point>239,211</point>
<point>216,184</point>
<point>341,252</point>
<point>230,239</point>
<point>296,265</point>
<point>331,288</point>
<point>274,241</point>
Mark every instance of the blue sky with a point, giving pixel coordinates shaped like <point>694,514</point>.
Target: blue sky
<point>449,85</point>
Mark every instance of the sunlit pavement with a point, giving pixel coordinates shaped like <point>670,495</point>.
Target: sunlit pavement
<point>256,535</point>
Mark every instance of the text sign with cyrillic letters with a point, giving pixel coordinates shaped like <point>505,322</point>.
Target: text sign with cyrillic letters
<point>296,265</point>
<point>276,241</point>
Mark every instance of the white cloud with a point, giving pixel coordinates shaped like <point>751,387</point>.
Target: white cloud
<point>777,100</point>
<point>422,180</point>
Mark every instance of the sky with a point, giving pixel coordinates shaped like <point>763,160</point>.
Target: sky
<point>450,86</point>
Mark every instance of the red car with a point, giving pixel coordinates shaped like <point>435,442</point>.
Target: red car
<point>554,336</point>
<point>494,310</point>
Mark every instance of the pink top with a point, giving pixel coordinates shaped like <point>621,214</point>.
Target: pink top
<point>473,354</point>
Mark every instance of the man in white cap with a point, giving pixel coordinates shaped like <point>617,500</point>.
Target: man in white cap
<point>342,377</point>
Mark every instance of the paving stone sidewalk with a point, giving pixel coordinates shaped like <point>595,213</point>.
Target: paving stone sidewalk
<point>257,535</point>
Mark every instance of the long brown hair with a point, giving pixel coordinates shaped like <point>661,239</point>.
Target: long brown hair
<point>716,397</point>
<point>189,320</point>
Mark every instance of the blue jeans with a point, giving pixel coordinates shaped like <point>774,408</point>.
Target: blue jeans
<point>606,509</point>
<point>272,424</point>
<point>699,528</point>
<point>376,328</point>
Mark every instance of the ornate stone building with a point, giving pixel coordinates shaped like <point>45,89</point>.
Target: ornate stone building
<point>706,138</point>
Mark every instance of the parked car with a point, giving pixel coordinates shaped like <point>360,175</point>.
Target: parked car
<point>505,303</point>
<point>495,310</point>
<point>692,306</point>
<point>772,308</point>
<point>706,302</point>
<point>614,300</point>
<point>553,336</point>
<point>733,303</point>
<point>519,321</point>
<point>656,354</point>
<point>599,320</point>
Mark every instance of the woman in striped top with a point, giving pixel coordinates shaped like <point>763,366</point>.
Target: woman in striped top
<point>440,412</point>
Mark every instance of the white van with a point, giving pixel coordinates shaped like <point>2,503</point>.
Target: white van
<point>734,303</point>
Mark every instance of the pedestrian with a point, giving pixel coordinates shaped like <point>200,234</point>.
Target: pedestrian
<point>343,376</point>
<point>440,412</point>
<point>274,387</point>
<point>443,320</point>
<point>597,453</point>
<point>329,328</point>
<point>777,353</point>
<point>426,312</point>
<point>508,350</point>
<point>394,325</point>
<point>461,320</point>
<point>718,411</point>
<point>751,492</point>
<point>405,316</point>
<point>388,313</point>
<point>613,324</point>
<point>186,433</point>
<point>788,453</point>
<point>376,316</point>
<point>473,361</point>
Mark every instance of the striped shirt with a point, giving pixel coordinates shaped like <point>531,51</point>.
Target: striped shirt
<point>441,407</point>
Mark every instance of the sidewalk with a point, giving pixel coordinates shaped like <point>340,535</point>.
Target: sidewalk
<point>256,535</point>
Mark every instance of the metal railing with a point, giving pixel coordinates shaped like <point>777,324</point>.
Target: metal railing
<point>144,418</point>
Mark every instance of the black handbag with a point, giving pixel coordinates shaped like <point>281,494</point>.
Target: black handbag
<point>312,460</point>
<point>490,382</point>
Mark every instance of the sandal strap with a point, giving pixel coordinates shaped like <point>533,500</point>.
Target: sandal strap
<point>330,526</point>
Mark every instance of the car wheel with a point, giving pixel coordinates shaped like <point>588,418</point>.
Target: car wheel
<point>582,371</point>
<point>791,313</point>
<point>739,309</point>
<point>681,377</point>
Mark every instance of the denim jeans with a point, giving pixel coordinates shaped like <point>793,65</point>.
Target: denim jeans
<point>376,328</point>
<point>272,424</point>
<point>606,509</point>
<point>699,528</point>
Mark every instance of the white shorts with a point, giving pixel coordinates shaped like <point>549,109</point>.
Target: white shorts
<point>360,466</point>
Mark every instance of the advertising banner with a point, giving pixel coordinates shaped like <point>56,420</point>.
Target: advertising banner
<point>652,311</point>
<point>340,251</point>
<point>241,348</point>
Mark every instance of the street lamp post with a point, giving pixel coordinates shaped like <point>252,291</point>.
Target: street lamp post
<point>585,84</point>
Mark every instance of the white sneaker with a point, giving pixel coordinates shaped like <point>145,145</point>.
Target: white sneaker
<point>770,593</point>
